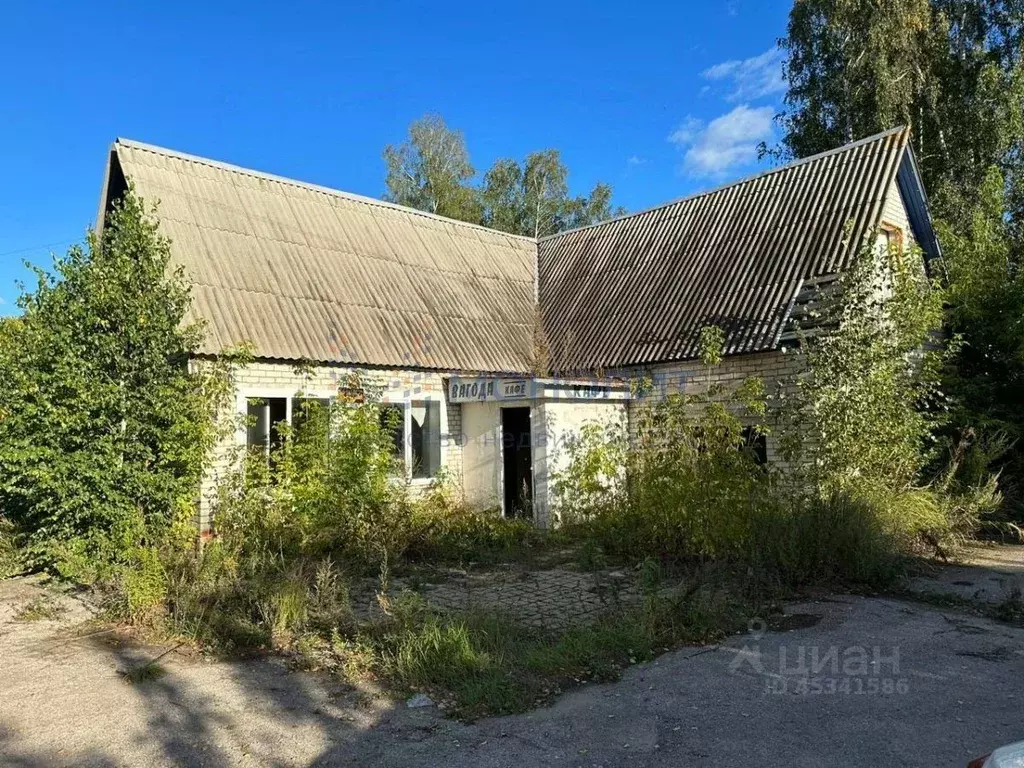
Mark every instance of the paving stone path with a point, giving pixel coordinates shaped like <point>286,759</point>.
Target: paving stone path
<point>552,597</point>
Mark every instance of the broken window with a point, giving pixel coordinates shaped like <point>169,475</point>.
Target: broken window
<point>425,438</point>
<point>416,434</point>
<point>264,414</point>
<point>756,442</point>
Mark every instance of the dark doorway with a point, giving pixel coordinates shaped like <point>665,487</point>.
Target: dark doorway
<point>518,459</point>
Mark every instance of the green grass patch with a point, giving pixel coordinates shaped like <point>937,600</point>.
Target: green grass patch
<point>598,652</point>
<point>479,665</point>
<point>142,673</point>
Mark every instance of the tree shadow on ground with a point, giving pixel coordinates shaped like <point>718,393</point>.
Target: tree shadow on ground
<point>16,757</point>
<point>72,695</point>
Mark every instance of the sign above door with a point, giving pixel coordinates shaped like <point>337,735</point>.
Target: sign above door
<point>474,389</point>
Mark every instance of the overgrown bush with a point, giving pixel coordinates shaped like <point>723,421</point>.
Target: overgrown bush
<point>445,529</point>
<point>981,264</point>
<point>692,487</point>
<point>869,402</point>
<point>10,552</point>
<point>331,487</point>
<point>595,458</point>
<point>690,504</point>
<point>327,505</point>
<point>857,429</point>
<point>103,426</point>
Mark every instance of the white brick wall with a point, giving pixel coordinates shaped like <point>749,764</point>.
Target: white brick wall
<point>265,379</point>
<point>555,424</point>
<point>894,212</point>
<point>778,369</point>
<point>281,380</point>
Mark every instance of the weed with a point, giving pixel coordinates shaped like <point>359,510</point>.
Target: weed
<point>1010,610</point>
<point>597,652</point>
<point>590,557</point>
<point>330,607</point>
<point>142,673</point>
<point>446,530</point>
<point>43,608</point>
<point>483,664</point>
<point>285,608</point>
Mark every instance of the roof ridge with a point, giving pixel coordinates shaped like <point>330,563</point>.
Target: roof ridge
<point>737,182</point>
<point>140,145</point>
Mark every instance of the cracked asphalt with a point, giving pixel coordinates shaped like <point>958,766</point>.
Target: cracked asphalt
<point>861,681</point>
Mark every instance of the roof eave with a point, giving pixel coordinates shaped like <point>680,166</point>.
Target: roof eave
<point>912,184</point>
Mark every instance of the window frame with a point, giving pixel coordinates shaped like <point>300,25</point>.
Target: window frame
<point>893,234</point>
<point>893,243</point>
<point>401,397</point>
<point>405,400</point>
<point>242,409</point>
<point>244,394</point>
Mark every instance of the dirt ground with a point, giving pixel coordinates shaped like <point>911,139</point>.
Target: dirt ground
<point>854,681</point>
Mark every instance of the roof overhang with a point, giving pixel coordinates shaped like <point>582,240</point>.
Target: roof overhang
<point>915,200</point>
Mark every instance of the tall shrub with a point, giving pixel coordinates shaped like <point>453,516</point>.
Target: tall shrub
<point>691,478</point>
<point>332,486</point>
<point>869,397</point>
<point>103,427</point>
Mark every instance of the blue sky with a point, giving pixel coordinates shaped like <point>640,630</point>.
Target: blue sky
<point>657,99</point>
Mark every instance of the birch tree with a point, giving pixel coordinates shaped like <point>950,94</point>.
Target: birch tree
<point>532,198</point>
<point>431,171</point>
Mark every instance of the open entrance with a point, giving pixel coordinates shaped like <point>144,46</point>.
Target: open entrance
<point>518,462</point>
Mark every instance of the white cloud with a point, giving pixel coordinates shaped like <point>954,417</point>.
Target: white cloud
<point>635,160</point>
<point>728,141</point>
<point>687,132</point>
<point>750,79</point>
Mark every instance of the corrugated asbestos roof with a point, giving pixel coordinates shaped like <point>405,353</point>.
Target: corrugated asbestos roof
<point>305,272</point>
<point>638,289</point>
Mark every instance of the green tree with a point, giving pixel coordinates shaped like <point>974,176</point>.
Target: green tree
<point>532,198</point>
<point>852,69</point>
<point>986,299</point>
<point>953,71</point>
<point>103,427</point>
<point>857,411</point>
<point>431,171</point>
<point>950,69</point>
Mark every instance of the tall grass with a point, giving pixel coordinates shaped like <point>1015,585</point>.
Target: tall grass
<point>445,529</point>
<point>293,531</point>
<point>693,492</point>
<point>482,664</point>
